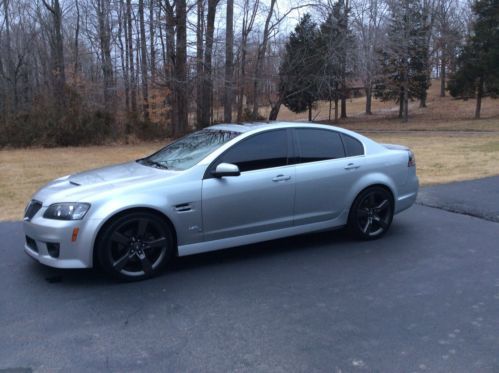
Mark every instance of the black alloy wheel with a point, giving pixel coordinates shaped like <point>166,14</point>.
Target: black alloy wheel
<point>372,213</point>
<point>136,246</point>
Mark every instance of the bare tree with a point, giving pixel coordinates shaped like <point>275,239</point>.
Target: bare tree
<point>229,60</point>
<point>207,99</point>
<point>450,23</point>
<point>181,106</point>
<point>199,62</point>
<point>143,63</point>
<point>262,49</point>
<point>102,8</point>
<point>57,51</point>
<point>122,28</point>
<point>368,24</point>
<point>249,15</point>
<point>152,38</point>
<point>77,40</point>
<point>129,31</point>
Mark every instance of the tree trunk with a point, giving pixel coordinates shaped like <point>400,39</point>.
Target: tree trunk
<point>8,54</point>
<point>229,58</point>
<point>343,106</point>
<point>162,39</point>
<point>242,80</point>
<point>57,45</point>
<point>406,102</point>
<point>443,73</point>
<point>105,45</point>
<point>262,49</point>
<point>170,20</point>
<point>369,98</point>
<point>422,101</point>
<point>199,63</point>
<point>152,38</point>
<point>207,75</point>
<point>344,61</point>
<point>310,113</point>
<point>181,103</point>
<point>336,110</point>
<point>77,35</point>
<point>479,95</point>
<point>143,62</point>
<point>152,62</point>
<point>133,87</point>
<point>124,61</point>
<point>274,111</point>
<point>401,104</point>
<point>248,21</point>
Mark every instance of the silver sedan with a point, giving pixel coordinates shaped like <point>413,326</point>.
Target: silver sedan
<point>224,186</point>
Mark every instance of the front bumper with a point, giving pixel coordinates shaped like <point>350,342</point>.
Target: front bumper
<point>41,233</point>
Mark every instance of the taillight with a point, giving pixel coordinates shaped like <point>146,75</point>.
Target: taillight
<point>412,159</point>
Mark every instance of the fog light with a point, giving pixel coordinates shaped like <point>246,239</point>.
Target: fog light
<point>31,244</point>
<point>53,249</point>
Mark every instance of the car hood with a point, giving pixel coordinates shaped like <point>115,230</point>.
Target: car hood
<point>77,187</point>
<point>115,174</point>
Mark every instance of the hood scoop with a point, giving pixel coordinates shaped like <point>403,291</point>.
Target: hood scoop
<point>74,183</point>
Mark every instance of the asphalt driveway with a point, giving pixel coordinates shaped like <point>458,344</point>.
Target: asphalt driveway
<point>475,197</point>
<point>423,298</point>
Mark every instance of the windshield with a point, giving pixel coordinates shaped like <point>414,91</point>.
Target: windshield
<point>189,150</point>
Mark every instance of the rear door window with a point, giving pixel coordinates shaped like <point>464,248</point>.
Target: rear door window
<point>318,145</point>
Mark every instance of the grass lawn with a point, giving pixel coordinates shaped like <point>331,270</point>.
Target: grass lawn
<point>439,159</point>
<point>449,146</point>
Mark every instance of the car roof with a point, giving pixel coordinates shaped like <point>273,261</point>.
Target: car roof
<point>253,126</point>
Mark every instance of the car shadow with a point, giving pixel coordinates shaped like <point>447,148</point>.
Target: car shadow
<point>338,242</point>
<point>262,250</point>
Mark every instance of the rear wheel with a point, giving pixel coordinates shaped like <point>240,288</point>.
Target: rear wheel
<point>136,246</point>
<point>371,214</point>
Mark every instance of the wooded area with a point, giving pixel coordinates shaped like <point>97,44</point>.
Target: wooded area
<point>91,71</point>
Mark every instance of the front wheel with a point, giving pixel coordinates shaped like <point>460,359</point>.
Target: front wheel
<point>135,246</point>
<point>371,213</point>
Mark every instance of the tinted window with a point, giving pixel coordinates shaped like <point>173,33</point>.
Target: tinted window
<point>353,147</point>
<point>318,145</point>
<point>264,150</point>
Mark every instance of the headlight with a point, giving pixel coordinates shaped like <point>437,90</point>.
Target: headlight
<point>67,211</point>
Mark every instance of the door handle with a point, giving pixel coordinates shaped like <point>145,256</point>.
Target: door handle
<point>281,178</point>
<point>351,166</point>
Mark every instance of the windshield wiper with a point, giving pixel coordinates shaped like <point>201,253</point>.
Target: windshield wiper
<point>152,163</point>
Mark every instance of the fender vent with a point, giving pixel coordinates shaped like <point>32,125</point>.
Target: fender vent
<point>183,207</point>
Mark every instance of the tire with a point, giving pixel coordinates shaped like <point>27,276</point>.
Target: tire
<point>135,246</point>
<point>371,213</point>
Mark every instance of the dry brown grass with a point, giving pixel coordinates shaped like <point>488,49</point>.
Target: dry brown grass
<point>444,151</point>
<point>442,159</point>
<point>441,113</point>
<point>23,171</point>
<point>439,159</point>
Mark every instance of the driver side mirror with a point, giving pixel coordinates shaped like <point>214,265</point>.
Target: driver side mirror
<point>226,169</point>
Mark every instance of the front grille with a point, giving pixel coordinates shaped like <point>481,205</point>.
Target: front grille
<point>31,243</point>
<point>33,207</point>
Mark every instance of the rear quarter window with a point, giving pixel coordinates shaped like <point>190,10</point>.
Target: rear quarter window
<point>353,147</point>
